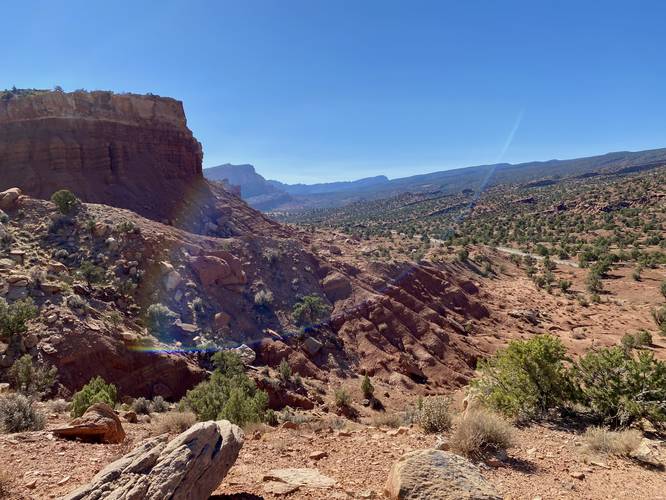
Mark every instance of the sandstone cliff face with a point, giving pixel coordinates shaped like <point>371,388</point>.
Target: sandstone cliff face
<point>126,150</point>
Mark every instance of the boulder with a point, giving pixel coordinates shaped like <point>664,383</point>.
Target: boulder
<point>183,330</point>
<point>280,397</point>
<point>245,353</point>
<point>222,320</point>
<point>172,280</point>
<point>129,416</point>
<point>217,271</point>
<point>425,474</point>
<point>293,479</point>
<point>98,424</point>
<point>336,286</point>
<point>646,454</point>
<point>189,467</point>
<point>312,346</point>
<point>528,315</point>
<point>9,198</point>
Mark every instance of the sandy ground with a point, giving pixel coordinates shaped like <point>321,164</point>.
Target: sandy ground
<point>542,464</point>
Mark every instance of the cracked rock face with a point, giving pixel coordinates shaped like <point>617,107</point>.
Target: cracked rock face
<point>189,467</point>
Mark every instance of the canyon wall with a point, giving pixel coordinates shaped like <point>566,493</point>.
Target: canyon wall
<point>132,151</point>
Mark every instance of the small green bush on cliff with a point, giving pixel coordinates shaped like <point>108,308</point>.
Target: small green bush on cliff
<point>65,201</point>
<point>14,317</point>
<point>159,319</point>
<point>95,391</point>
<point>31,378</point>
<point>310,310</point>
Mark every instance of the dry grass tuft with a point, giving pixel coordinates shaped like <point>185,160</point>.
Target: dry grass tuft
<point>480,431</point>
<point>173,422</point>
<point>57,406</point>
<point>385,419</point>
<point>252,427</point>
<point>621,443</point>
<point>435,415</point>
<point>5,484</point>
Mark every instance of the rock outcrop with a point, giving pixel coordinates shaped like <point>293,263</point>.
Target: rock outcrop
<point>9,198</point>
<point>426,474</point>
<point>189,467</point>
<point>98,424</point>
<point>133,151</point>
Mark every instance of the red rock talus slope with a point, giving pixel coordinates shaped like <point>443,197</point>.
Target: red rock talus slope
<point>126,150</point>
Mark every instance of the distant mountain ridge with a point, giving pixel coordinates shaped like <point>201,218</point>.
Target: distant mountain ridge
<point>330,187</point>
<point>271,195</point>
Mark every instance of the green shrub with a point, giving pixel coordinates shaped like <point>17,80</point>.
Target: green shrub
<point>14,317</point>
<point>284,370</point>
<point>663,289</point>
<point>480,432</point>
<point>18,414</point>
<point>435,415</point>
<point>621,388</point>
<point>342,398</point>
<point>65,201</point>
<point>91,273</point>
<point>30,378</point>
<point>229,394</point>
<point>367,388</point>
<point>159,318</point>
<point>526,378</point>
<point>95,391</point>
<point>628,341</point>
<point>643,338</point>
<point>593,282</point>
<point>564,285</point>
<point>310,310</point>
<point>463,255</point>
<point>173,422</point>
<point>229,363</point>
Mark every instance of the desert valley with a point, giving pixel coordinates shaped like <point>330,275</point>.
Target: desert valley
<point>411,338</point>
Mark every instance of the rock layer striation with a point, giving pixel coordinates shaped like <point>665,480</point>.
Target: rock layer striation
<point>133,151</point>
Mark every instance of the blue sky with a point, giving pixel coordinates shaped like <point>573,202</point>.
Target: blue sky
<point>318,90</point>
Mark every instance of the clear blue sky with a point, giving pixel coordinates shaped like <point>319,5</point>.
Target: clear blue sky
<point>318,90</point>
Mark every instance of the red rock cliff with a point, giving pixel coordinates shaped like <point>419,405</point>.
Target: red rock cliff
<point>131,151</point>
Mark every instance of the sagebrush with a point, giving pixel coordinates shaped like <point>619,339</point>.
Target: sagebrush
<point>18,414</point>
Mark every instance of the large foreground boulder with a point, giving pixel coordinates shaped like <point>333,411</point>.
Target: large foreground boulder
<point>98,424</point>
<point>428,474</point>
<point>188,468</point>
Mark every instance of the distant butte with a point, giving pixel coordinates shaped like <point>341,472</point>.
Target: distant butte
<point>127,150</point>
